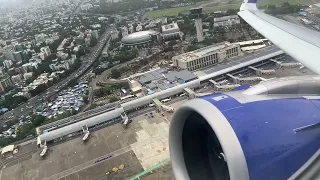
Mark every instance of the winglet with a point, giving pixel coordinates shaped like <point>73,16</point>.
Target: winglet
<point>249,5</point>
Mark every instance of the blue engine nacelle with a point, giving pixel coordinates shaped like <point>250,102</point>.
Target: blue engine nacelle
<point>239,137</point>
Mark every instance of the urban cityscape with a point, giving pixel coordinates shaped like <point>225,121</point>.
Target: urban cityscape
<point>89,88</point>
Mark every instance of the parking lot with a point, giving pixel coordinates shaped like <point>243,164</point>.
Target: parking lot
<point>141,145</point>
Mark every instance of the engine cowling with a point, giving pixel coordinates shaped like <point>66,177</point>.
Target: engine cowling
<point>239,137</point>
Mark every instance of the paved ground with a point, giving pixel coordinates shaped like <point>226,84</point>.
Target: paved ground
<point>143,144</point>
<point>163,173</point>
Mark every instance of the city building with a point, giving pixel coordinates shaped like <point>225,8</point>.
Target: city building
<point>226,21</point>
<point>95,34</point>
<point>42,56</point>
<point>170,31</point>
<point>18,56</point>
<point>124,31</point>
<point>62,55</point>
<point>206,56</point>
<point>87,41</point>
<point>25,94</point>
<point>41,79</point>
<point>17,79</point>
<point>142,38</point>
<point>46,50</point>
<point>20,70</point>
<point>138,28</point>
<point>61,46</point>
<point>27,75</point>
<point>8,52</point>
<point>115,34</point>
<point>5,82</point>
<point>7,64</point>
<point>62,65</point>
<point>131,29</point>
<point>40,38</point>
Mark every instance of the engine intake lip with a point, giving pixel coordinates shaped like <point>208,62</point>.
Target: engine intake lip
<point>229,142</point>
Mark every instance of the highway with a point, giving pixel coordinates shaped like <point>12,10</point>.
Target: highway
<point>26,108</point>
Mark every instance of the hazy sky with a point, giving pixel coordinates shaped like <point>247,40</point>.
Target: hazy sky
<point>13,1</point>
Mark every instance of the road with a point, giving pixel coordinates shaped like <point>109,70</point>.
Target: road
<point>26,108</point>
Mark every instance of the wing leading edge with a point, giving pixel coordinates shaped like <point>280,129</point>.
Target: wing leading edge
<point>299,42</point>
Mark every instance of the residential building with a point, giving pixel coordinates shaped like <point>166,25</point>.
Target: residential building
<point>226,21</point>
<point>206,56</point>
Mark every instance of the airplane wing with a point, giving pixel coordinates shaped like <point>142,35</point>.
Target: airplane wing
<point>299,42</point>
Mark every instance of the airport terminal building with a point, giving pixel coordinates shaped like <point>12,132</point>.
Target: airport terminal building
<point>104,116</point>
<point>206,56</point>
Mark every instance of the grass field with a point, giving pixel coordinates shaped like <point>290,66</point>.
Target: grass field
<point>221,8</point>
<point>276,2</point>
<point>167,12</point>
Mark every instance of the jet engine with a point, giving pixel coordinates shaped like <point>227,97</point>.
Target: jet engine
<point>261,133</point>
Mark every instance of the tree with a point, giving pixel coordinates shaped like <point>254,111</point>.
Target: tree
<point>37,120</point>
<point>73,111</point>
<point>114,99</point>
<point>39,89</point>
<point>172,43</point>
<point>25,130</point>
<point>11,101</point>
<point>30,80</point>
<point>232,12</point>
<point>72,82</point>
<point>85,98</point>
<point>115,73</point>
<point>192,48</point>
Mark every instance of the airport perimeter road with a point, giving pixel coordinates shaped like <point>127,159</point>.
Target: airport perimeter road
<point>87,61</point>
